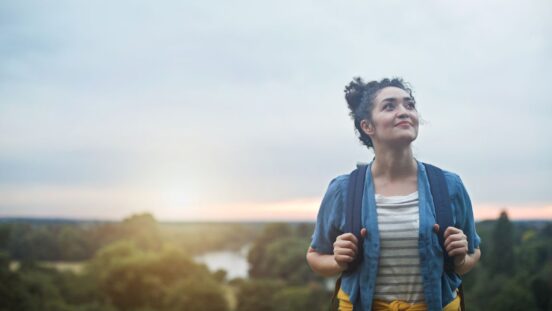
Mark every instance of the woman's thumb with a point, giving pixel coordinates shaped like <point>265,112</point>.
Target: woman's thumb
<point>363,232</point>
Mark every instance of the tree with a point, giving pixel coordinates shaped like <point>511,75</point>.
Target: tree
<point>74,244</point>
<point>541,290</point>
<point>195,294</point>
<point>512,297</point>
<point>258,294</point>
<point>312,297</point>
<point>502,247</point>
<point>258,256</point>
<point>143,230</point>
<point>285,259</point>
<point>133,279</point>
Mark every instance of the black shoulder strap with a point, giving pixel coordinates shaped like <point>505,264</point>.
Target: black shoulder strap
<point>353,208</point>
<point>441,201</point>
<point>443,214</point>
<point>443,210</point>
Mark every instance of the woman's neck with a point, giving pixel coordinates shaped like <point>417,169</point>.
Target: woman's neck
<point>393,164</point>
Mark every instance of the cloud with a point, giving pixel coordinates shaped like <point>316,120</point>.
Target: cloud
<point>243,102</point>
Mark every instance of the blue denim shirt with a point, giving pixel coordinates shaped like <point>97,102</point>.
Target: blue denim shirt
<point>439,286</point>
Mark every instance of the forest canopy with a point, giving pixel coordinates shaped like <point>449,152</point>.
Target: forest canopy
<point>141,264</point>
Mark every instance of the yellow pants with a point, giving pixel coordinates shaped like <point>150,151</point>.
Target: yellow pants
<point>397,305</point>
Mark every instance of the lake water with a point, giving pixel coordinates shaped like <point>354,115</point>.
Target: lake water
<point>234,262</point>
<point>236,265</point>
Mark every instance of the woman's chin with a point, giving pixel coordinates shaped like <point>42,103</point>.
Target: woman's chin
<point>404,141</point>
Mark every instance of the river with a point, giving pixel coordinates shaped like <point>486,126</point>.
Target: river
<point>233,262</point>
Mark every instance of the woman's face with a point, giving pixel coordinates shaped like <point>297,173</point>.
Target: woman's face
<point>394,118</point>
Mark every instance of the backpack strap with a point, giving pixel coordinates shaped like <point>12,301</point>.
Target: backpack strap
<point>443,210</point>
<point>443,215</point>
<point>355,191</point>
<point>441,201</point>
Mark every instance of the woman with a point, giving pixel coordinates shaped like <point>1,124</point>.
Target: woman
<point>402,266</point>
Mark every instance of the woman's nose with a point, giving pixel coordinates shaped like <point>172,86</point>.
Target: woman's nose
<point>402,111</point>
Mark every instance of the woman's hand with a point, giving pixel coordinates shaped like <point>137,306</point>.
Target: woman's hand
<point>456,245</point>
<point>345,248</point>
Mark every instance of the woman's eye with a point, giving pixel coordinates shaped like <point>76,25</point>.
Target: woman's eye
<point>388,106</point>
<point>411,105</point>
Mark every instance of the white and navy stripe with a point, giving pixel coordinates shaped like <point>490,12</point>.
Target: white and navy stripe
<point>399,274</point>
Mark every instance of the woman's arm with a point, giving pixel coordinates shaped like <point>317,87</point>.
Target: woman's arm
<point>323,264</point>
<point>344,252</point>
<point>456,244</point>
<point>464,266</point>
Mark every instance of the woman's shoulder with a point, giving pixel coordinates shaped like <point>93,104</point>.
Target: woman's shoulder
<point>451,177</point>
<point>333,203</point>
<point>454,182</point>
<point>339,184</point>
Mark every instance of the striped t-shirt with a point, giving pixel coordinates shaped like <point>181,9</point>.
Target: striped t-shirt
<point>399,276</point>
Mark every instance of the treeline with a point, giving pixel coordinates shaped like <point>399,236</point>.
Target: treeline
<point>280,278</point>
<point>134,266</point>
<point>140,265</point>
<point>120,277</point>
<point>78,241</point>
<point>515,271</point>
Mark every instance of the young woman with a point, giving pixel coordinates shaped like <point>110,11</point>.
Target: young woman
<point>402,266</point>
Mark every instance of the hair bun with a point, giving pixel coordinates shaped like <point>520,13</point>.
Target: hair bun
<point>354,92</point>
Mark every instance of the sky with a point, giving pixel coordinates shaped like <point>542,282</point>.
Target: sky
<point>234,110</point>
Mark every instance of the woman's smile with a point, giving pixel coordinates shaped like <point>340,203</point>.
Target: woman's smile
<point>404,123</point>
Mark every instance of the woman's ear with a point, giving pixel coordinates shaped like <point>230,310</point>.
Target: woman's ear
<point>367,127</point>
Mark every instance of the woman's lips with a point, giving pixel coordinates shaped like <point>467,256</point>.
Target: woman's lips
<point>403,123</point>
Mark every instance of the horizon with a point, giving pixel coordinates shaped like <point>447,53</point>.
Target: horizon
<point>490,215</point>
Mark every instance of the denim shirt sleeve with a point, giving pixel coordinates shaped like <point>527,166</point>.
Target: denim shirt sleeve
<point>462,211</point>
<point>462,217</point>
<point>330,220</point>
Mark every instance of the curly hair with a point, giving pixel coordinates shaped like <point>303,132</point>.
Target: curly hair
<point>360,99</point>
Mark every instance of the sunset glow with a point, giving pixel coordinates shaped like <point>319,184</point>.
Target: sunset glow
<point>118,203</point>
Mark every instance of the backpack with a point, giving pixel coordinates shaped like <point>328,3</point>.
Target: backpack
<point>443,213</point>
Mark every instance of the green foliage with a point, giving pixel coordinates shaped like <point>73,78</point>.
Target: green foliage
<point>502,247</point>
<point>541,289</point>
<point>286,260</point>
<point>258,295</point>
<point>143,230</point>
<point>512,297</point>
<point>258,257</point>
<point>133,279</point>
<point>494,284</point>
<point>79,290</point>
<point>35,288</point>
<point>214,237</point>
<point>134,268</point>
<point>74,241</point>
<point>34,243</point>
<point>195,294</point>
<point>273,295</point>
<point>279,253</point>
<point>312,297</point>
<point>304,230</point>
<point>4,236</point>
<point>220,275</point>
<point>280,273</point>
